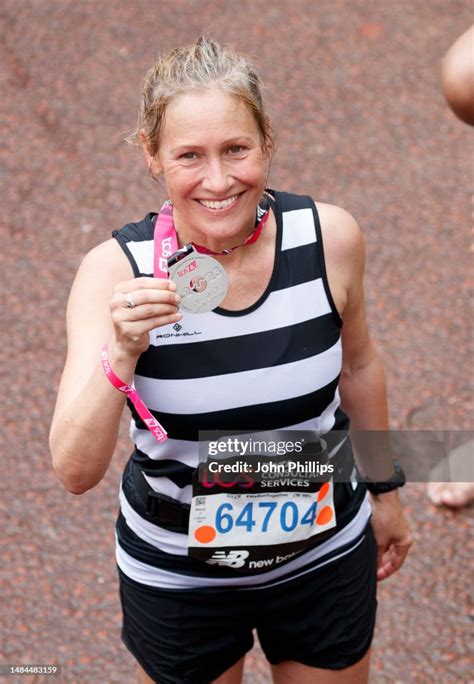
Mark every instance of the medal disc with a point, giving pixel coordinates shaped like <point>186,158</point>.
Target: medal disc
<point>201,282</point>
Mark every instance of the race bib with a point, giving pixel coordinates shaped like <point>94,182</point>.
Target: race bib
<point>253,526</point>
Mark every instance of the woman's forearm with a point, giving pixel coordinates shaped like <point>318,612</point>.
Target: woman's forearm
<point>83,437</point>
<point>364,398</point>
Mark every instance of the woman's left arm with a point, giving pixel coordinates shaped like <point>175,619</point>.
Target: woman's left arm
<point>362,383</point>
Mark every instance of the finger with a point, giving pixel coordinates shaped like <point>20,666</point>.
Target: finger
<point>391,561</point>
<point>145,312</point>
<point>146,283</point>
<point>385,567</point>
<point>137,298</point>
<point>137,328</point>
<point>148,297</point>
<point>381,550</point>
<point>384,571</point>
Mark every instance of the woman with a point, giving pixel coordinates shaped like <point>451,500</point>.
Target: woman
<point>267,356</point>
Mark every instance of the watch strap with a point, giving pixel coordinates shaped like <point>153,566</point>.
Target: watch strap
<point>395,481</point>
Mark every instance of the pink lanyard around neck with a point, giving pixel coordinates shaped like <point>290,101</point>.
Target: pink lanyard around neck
<point>166,241</point>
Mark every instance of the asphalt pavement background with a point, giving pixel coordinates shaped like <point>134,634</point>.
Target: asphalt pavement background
<point>354,90</point>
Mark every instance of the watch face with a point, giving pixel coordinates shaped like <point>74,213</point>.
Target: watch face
<point>201,282</point>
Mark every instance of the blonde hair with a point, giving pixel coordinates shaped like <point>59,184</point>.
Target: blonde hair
<point>201,65</point>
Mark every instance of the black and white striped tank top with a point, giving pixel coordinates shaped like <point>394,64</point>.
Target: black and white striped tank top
<point>273,365</point>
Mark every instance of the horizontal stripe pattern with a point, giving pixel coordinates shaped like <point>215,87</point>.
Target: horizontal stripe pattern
<point>298,228</point>
<point>296,266</point>
<point>269,416</point>
<point>142,254</point>
<point>173,543</point>
<point>165,475</point>
<point>239,353</point>
<point>176,459</point>
<point>273,365</point>
<point>146,572</point>
<point>281,309</point>
<point>245,388</point>
<point>179,473</point>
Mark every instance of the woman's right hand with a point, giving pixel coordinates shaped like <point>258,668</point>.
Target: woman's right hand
<point>156,304</point>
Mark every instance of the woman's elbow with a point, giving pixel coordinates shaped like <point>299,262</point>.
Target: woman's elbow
<point>71,478</point>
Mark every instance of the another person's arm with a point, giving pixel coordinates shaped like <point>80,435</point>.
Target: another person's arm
<point>457,74</point>
<point>86,419</point>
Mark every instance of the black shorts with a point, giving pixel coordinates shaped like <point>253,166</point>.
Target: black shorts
<point>324,618</point>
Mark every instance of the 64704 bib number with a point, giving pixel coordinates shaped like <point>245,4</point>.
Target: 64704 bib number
<point>258,526</point>
<point>257,517</point>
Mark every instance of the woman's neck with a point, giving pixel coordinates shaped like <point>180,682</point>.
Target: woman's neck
<point>186,235</point>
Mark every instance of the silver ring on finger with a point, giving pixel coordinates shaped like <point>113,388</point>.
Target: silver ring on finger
<point>129,299</point>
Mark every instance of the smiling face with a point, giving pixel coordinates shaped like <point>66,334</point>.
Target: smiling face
<point>214,166</point>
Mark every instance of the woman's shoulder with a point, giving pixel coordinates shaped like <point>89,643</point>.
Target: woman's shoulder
<point>340,230</point>
<point>336,216</point>
<point>106,261</point>
<point>344,251</point>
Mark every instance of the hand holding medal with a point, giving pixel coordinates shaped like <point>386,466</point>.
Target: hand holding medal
<point>201,282</point>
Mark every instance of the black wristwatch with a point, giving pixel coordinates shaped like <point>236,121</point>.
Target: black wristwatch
<point>396,480</point>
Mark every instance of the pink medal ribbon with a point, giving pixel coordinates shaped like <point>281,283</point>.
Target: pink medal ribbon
<point>157,430</point>
<point>166,242</point>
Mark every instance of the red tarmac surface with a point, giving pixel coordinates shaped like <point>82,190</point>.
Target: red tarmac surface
<point>354,91</point>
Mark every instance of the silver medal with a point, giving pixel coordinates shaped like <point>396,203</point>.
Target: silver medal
<point>201,282</point>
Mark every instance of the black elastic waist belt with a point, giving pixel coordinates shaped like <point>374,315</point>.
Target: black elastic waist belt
<point>159,508</point>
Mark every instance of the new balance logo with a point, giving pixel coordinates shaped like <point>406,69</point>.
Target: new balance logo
<point>233,559</point>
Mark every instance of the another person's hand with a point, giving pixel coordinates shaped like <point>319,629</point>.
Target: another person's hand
<point>392,533</point>
<point>154,304</point>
